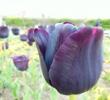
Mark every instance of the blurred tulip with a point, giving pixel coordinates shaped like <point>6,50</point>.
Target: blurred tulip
<point>23,37</point>
<point>68,23</point>
<point>4,32</point>
<point>21,62</point>
<point>30,34</point>
<point>71,58</point>
<point>15,31</point>
<point>42,26</point>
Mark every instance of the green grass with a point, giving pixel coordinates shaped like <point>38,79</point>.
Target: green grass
<point>106,49</point>
<point>27,85</point>
<point>21,22</point>
<point>107,77</point>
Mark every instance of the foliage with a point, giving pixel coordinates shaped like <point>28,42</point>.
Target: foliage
<point>14,21</point>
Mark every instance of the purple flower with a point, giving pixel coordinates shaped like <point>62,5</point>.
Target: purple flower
<point>21,62</point>
<point>42,26</point>
<point>68,23</point>
<point>23,37</point>
<point>30,34</point>
<point>71,57</point>
<point>15,31</point>
<point>4,32</point>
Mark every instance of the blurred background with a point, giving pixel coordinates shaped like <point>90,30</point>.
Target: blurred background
<point>24,14</point>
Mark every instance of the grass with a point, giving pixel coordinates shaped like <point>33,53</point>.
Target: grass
<point>107,77</point>
<point>30,84</point>
<point>106,49</point>
<point>21,22</point>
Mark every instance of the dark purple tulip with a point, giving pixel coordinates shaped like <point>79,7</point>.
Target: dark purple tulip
<point>73,65</point>
<point>21,62</point>
<point>5,45</point>
<point>42,26</point>
<point>4,32</point>
<point>68,23</point>
<point>30,34</point>
<point>15,31</point>
<point>23,37</point>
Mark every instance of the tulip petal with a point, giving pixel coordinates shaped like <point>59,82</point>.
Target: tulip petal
<point>52,44</point>
<point>67,29</point>
<point>30,34</point>
<point>41,38</point>
<point>56,38</point>
<point>68,23</point>
<point>50,28</point>
<point>43,66</point>
<point>77,64</point>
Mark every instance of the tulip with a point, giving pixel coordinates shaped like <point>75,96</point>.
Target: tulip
<point>30,34</point>
<point>71,58</point>
<point>23,37</point>
<point>4,32</point>
<point>21,62</point>
<point>68,23</point>
<point>42,26</point>
<point>15,31</point>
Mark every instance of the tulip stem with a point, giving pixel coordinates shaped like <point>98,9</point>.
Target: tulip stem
<point>72,97</point>
<point>4,44</point>
<point>4,50</point>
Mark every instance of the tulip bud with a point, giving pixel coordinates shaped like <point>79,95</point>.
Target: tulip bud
<point>4,32</point>
<point>15,31</point>
<point>30,34</point>
<point>23,37</point>
<point>21,62</point>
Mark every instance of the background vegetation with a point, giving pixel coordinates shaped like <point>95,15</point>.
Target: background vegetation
<point>31,22</point>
